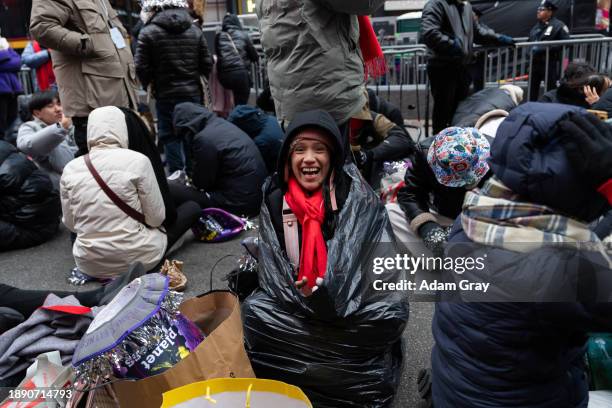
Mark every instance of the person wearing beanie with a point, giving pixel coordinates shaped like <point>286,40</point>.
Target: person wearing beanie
<point>171,56</point>
<point>443,170</point>
<point>506,97</point>
<point>548,28</point>
<point>549,277</point>
<point>316,306</point>
<point>450,31</point>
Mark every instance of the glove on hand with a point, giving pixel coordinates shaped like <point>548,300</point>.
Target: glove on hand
<point>505,39</point>
<point>434,237</point>
<point>362,158</point>
<point>456,50</point>
<point>588,144</point>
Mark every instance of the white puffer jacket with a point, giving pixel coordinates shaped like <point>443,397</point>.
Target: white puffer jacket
<point>108,240</point>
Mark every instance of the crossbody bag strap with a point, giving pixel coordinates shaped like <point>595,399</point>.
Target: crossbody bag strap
<point>232,41</point>
<point>292,237</point>
<point>138,216</point>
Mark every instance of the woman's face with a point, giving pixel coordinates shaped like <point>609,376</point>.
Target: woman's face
<point>310,160</point>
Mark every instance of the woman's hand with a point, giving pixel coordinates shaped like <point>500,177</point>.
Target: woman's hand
<point>302,286</point>
<point>590,94</point>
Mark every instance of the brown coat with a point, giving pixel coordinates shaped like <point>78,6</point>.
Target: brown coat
<point>91,72</point>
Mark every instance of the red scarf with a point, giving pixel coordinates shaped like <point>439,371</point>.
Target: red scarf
<point>44,73</point>
<point>373,57</point>
<point>310,212</point>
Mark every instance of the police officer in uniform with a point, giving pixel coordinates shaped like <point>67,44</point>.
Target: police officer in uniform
<point>548,28</point>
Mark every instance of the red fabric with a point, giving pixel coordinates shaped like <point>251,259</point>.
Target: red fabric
<point>355,126</point>
<point>76,310</point>
<point>606,190</point>
<point>310,213</point>
<point>44,73</point>
<point>373,57</point>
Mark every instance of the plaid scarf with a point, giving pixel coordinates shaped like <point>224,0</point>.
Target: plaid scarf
<point>494,215</point>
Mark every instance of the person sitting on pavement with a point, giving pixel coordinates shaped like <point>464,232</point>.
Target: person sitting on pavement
<point>114,205</point>
<point>386,108</point>
<point>506,97</point>
<point>49,137</point>
<point>315,307</point>
<point>375,139</point>
<point>443,170</point>
<point>579,86</point>
<point>30,205</point>
<point>522,343</point>
<point>263,129</point>
<point>228,170</point>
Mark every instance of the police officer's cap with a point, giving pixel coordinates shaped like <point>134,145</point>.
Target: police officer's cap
<point>547,4</point>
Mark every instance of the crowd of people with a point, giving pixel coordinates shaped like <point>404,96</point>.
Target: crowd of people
<point>528,185</point>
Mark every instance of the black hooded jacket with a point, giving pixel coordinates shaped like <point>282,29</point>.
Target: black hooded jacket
<point>172,54</point>
<point>29,206</point>
<point>277,188</point>
<point>226,162</point>
<point>235,51</point>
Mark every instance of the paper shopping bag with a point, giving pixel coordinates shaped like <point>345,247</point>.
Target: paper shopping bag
<point>236,393</point>
<point>220,355</point>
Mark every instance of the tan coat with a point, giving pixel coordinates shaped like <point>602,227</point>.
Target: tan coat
<point>108,240</point>
<point>90,71</point>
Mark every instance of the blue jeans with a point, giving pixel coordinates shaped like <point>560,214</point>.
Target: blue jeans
<point>174,146</point>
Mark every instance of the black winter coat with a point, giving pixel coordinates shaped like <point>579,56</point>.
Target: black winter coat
<point>422,191</point>
<point>235,51</point>
<point>172,54</point>
<point>449,31</point>
<point>30,208</point>
<point>263,129</point>
<point>471,109</point>
<point>380,105</point>
<point>226,162</point>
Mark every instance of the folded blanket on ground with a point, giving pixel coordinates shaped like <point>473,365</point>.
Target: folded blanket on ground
<point>45,330</point>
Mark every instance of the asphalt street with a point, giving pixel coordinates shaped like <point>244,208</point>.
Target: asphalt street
<point>47,267</point>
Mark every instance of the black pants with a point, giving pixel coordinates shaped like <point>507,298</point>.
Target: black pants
<point>538,74</point>
<point>8,112</point>
<point>27,301</point>
<point>80,135</point>
<point>186,215</point>
<point>449,86</point>
<point>239,82</point>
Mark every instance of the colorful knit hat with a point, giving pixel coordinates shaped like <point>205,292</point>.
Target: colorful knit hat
<point>458,156</point>
<point>153,5</point>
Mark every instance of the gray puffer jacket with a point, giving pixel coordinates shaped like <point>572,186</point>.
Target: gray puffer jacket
<point>313,55</point>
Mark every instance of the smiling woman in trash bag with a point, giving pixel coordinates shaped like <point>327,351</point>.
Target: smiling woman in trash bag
<point>324,328</point>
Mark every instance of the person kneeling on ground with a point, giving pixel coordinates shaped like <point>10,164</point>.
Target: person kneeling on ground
<point>443,170</point>
<point>110,238</point>
<point>30,205</point>
<point>317,315</point>
<point>506,98</point>
<point>228,170</point>
<point>522,343</point>
<point>49,138</point>
<point>263,129</point>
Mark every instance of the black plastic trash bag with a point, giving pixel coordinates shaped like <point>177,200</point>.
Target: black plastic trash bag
<point>342,345</point>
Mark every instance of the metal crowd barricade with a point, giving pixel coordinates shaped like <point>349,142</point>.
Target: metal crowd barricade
<point>27,81</point>
<point>514,64</point>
